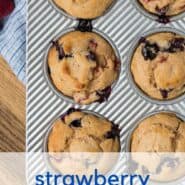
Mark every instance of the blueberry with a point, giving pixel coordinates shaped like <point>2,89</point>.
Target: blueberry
<point>145,170</point>
<point>91,56</point>
<point>134,165</point>
<point>150,51</point>
<point>162,17</point>
<point>164,92</point>
<point>113,133</point>
<point>84,25</point>
<point>142,40</point>
<point>162,11</point>
<point>177,44</point>
<point>170,162</point>
<point>76,123</point>
<point>71,110</point>
<point>59,48</point>
<point>104,94</point>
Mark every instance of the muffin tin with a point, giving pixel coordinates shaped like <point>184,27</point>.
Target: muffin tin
<point>121,24</point>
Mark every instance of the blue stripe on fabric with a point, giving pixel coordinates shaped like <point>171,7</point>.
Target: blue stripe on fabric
<point>13,40</point>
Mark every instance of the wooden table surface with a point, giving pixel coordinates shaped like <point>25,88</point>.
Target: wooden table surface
<point>12,111</point>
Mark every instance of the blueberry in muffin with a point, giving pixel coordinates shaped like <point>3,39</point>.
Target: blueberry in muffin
<point>83,66</point>
<point>164,8</point>
<point>81,132</point>
<point>161,139</point>
<point>84,9</point>
<point>158,65</point>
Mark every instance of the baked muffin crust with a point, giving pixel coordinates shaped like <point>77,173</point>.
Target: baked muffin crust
<point>162,132</point>
<point>83,132</point>
<point>84,142</point>
<point>164,7</point>
<point>83,66</point>
<point>85,9</point>
<point>158,65</point>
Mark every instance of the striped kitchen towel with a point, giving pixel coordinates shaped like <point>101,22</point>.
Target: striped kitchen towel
<point>13,40</point>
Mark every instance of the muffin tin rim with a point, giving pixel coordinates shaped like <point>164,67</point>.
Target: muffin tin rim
<point>137,123</point>
<point>67,15</point>
<point>49,80</point>
<point>130,77</point>
<point>153,16</point>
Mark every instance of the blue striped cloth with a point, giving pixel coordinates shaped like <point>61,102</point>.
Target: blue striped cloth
<point>13,40</point>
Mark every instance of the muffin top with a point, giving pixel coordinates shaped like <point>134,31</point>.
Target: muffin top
<point>84,142</point>
<point>83,66</point>
<point>158,65</point>
<point>164,7</point>
<point>83,132</point>
<point>85,9</point>
<point>162,132</point>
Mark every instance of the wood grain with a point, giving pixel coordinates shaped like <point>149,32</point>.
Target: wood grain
<point>12,111</point>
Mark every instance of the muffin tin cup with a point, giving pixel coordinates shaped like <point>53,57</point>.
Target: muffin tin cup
<point>134,86</point>
<point>49,80</point>
<point>50,127</point>
<point>63,12</point>
<point>153,16</point>
<point>129,136</point>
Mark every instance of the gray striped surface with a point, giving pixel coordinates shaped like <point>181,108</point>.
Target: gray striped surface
<point>121,24</point>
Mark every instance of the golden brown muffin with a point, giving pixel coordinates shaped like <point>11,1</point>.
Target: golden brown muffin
<point>163,132</point>
<point>83,66</point>
<point>79,132</point>
<point>164,7</point>
<point>158,65</point>
<point>157,137</point>
<point>85,9</point>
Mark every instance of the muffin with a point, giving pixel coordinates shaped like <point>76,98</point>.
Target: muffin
<point>84,137</point>
<point>162,132</point>
<point>159,136</point>
<point>158,65</point>
<point>84,9</point>
<point>83,66</point>
<point>164,7</point>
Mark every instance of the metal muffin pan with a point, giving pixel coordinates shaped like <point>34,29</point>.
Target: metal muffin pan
<point>45,63</point>
<point>153,16</point>
<point>125,106</point>
<point>130,76</point>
